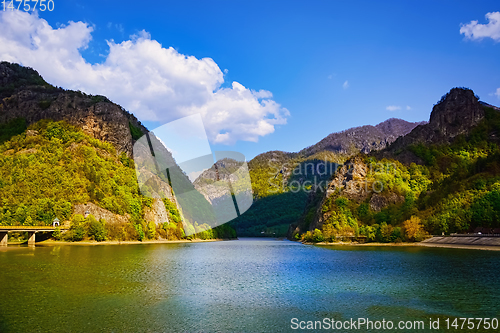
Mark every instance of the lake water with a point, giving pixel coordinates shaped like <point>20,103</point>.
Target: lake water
<point>249,285</point>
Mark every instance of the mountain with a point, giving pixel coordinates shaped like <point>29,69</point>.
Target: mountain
<point>25,95</point>
<point>442,177</point>
<point>281,181</point>
<point>63,153</point>
<point>456,113</point>
<point>364,138</point>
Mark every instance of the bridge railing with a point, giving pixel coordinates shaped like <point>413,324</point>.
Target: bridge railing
<point>30,227</point>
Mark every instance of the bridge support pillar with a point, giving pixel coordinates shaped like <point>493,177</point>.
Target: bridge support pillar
<point>4,236</point>
<point>31,238</point>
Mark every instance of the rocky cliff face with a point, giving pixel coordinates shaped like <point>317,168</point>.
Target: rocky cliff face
<point>99,213</point>
<point>354,181</point>
<point>350,180</point>
<point>24,94</point>
<point>456,113</point>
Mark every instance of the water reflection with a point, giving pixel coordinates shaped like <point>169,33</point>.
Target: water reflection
<point>247,285</point>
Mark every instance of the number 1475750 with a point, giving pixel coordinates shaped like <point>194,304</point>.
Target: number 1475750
<point>28,5</point>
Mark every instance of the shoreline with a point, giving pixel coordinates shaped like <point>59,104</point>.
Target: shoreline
<point>462,246</point>
<point>51,242</point>
<point>420,244</point>
<point>94,243</point>
<point>362,244</point>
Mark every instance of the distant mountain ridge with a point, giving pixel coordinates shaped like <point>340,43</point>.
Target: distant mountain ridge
<point>363,138</point>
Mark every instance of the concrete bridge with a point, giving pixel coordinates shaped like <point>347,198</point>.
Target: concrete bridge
<point>31,230</point>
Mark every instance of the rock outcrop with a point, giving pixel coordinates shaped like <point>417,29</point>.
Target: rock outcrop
<point>379,201</point>
<point>351,180</point>
<point>157,213</point>
<point>456,113</point>
<point>99,213</point>
<point>24,94</point>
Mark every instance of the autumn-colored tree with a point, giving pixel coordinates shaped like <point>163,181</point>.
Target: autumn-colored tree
<point>414,230</point>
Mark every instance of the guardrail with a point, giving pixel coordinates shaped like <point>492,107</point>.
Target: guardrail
<point>31,227</point>
<point>470,235</point>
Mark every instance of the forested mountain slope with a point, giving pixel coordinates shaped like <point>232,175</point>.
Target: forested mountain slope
<point>443,177</point>
<point>282,181</point>
<point>63,153</point>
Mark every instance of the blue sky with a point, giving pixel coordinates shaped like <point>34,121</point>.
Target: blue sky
<point>329,65</point>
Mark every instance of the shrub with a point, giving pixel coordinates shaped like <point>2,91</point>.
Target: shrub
<point>57,234</point>
<point>78,233</point>
<point>317,236</point>
<point>96,229</point>
<point>151,230</point>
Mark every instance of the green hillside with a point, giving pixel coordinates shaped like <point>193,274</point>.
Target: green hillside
<point>52,166</point>
<point>284,183</point>
<point>455,190</point>
<point>281,184</point>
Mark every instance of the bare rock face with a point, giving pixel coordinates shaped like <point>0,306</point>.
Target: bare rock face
<point>100,213</point>
<point>157,213</point>
<point>379,201</point>
<point>457,112</point>
<point>350,180</point>
<point>24,94</point>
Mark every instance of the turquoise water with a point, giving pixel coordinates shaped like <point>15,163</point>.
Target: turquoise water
<point>249,285</point>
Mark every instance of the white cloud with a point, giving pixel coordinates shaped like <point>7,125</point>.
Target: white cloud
<point>498,93</point>
<point>153,82</point>
<point>474,30</point>
<point>345,85</point>
<point>393,108</point>
<point>408,107</point>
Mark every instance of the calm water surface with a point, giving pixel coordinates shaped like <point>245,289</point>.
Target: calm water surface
<point>249,285</point>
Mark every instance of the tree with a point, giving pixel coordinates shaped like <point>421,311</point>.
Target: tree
<point>318,236</point>
<point>77,231</point>
<point>96,229</point>
<point>77,220</point>
<point>57,233</point>
<point>140,232</point>
<point>414,230</point>
<point>151,230</point>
